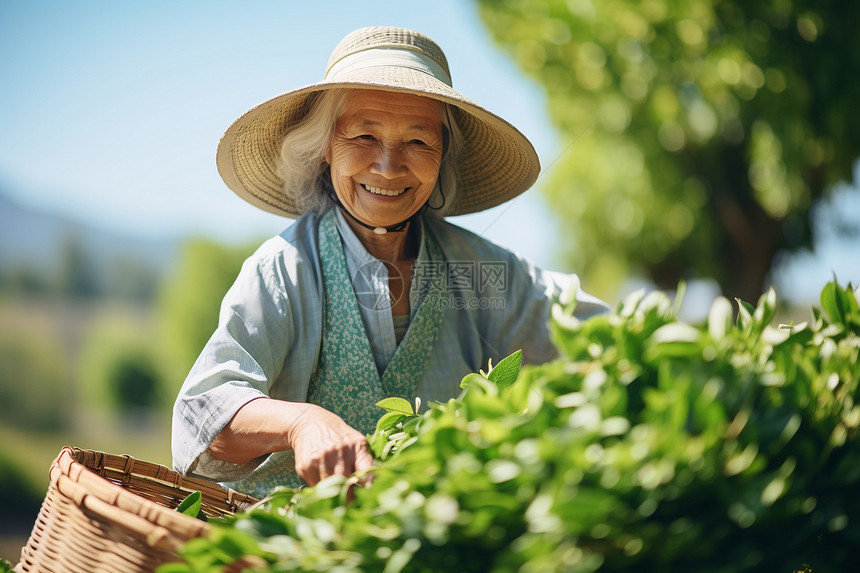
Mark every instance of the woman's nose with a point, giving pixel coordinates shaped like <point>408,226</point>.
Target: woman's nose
<point>389,161</point>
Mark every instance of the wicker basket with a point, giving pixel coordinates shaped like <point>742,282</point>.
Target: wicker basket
<point>115,514</point>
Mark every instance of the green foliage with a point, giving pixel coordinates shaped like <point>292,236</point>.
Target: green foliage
<point>651,445</point>
<point>395,428</point>
<point>134,381</point>
<point>118,366</point>
<point>190,299</point>
<point>704,131</point>
<point>33,380</point>
<point>20,498</point>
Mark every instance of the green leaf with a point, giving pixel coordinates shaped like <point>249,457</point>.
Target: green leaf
<point>676,339</point>
<point>829,301</point>
<point>852,307</point>
<point>719,318</point>
<point>631,302</point>
<point>679,297</point>
<point>395,404</point>
<point>192,505</point>
<point>234,543</point>
<point>839,304</point>
<point>745,312</point>
<point>675,332</point>
<point>765,310</point>
<point>377,442</point>
<point>799,336</point>
<point>260,524</point>
<point>400,558</point>
<point>505,372</point>
<point>471,378</point>
<point>389,420</point>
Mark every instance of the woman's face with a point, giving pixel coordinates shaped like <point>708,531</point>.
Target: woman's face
<point>385,154</point>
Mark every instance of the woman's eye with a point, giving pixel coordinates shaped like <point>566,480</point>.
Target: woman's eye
<point>366,137</point>
<point>417,142</point>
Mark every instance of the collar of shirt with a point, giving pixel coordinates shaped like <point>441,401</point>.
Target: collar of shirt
<point>370,281</point>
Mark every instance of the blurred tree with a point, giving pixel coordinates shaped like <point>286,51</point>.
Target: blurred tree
<point>134,381</point>
<point>20,498</point>
<point>190,300</point>
<point>118,366</point>
<point>132,279</point>
<point>22,279</point>
<point>709,128</point>
<point>34,393</point>
<point>78,276</point>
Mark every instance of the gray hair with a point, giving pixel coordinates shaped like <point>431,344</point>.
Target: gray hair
<point>302,158</point>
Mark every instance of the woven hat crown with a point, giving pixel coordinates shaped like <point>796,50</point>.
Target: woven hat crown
<point>375,37</point>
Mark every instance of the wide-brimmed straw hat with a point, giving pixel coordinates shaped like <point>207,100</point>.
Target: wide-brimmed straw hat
<point>496,163</point>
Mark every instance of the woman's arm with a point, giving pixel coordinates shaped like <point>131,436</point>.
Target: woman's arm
<point>265,346</point>
<point>323,443</point>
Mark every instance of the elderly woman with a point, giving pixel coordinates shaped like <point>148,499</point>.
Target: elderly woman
<point>370,293</point>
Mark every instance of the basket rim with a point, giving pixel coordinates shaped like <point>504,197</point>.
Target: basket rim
<point>128,470</point>
<point>118,507</point>
<point>88,478</point>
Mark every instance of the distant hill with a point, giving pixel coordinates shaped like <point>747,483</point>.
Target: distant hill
<point>38,242</point>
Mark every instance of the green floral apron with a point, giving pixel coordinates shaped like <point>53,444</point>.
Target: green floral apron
<point>346,380</point>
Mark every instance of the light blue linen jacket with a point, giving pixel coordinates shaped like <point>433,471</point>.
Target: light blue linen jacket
<point>270,327</point>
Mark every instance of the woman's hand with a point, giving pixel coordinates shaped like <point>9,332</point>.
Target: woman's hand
<point>325,445</point>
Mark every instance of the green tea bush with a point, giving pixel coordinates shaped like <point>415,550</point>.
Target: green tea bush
<point>652,445</point>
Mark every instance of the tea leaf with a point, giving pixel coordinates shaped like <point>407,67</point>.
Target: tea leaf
<point>390,419</point>
<point>192,505</point>
<point>395,404</point>
<point>675,332</point>
<point>745,311</point>
<point>505,372</point>
<point>765,310</point>
<point>720,318</point>
<point>829,303</point>
<point>471,378</point>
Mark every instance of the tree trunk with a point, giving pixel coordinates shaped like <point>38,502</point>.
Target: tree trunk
<point>752,237</point>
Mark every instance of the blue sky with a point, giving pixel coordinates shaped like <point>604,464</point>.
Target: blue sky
<point>111,111</point>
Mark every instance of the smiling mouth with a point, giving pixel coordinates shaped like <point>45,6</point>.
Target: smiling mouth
<point>386,192</point>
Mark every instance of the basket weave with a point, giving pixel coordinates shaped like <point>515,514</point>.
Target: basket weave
<point>115,514</point>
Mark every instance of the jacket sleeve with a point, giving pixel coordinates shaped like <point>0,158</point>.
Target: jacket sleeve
<point>245,353</point>
<point>529,295</point>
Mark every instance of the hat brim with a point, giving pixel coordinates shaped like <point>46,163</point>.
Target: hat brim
<point>496,163</point>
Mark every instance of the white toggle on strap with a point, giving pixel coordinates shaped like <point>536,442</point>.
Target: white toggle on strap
<point>398,57</point>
